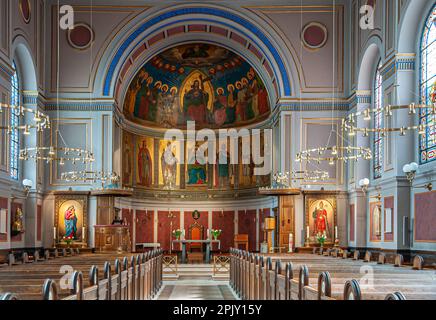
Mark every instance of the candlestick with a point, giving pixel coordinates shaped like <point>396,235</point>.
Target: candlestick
<point>307,236</point>
<point>291,242</point>
<point>208,233</point>
<point>336,232</point>
<point>83,234</point>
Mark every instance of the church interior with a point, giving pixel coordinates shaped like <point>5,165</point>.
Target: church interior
<point>217,150</point>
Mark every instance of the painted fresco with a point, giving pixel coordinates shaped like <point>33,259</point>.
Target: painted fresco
<point>128,151</point>
<point>320,213</point>
<point>196,82</point>
<point>144,161</point>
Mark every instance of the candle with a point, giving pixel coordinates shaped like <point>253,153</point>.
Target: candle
<point>83,233</point>
<point>336,232</point>
<point>54,233</point>
<point>291,242</point>
<point>208,233</point>
<point>307,232</point>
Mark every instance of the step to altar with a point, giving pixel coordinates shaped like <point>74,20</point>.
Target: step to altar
<point>198,272</point>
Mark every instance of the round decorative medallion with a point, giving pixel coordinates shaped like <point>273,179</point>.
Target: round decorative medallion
<point>81,36</point>
<point>314,35</point>
<point>196,215</point>
<point>25,10</point>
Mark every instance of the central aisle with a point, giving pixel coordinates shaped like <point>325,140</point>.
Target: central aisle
<point>196,282</point>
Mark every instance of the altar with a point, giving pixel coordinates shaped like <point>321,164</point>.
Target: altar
<point>207,242</point>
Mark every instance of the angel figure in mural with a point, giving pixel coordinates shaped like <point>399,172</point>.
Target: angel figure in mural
<point>320,220</point>
<point>195,102</point>
<point>70,219</point>
<point>170,108</point>
<point>169,167</point>
<point>144,166</point>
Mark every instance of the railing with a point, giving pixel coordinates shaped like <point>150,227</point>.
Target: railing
<point>254,278</point>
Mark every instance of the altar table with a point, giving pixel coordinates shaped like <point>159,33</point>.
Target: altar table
<point>207,242</point>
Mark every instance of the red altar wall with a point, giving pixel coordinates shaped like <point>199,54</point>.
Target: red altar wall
<point>144,226</point>
<point>389,204</point>
<point>4,205</point>
<point>247,225</point>
<point>425,218</point>
<point>164,229</point>
<point>226,222</point>
<point>14,207</point>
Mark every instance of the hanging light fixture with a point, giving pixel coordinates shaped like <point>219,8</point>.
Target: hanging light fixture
<point>283,180</point>
<point>60,154</point>
<point>103,177</point>
<point>334,154</point>
<point>40,120</point>
<point>349,123</point>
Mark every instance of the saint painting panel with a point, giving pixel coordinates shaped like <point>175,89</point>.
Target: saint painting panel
<point>128,153</point>
<point>144,161</point>
<point>321,218</point>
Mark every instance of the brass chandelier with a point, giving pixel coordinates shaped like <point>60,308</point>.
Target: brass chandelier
<point>91,176</point>
<point>344,154</point>
<point>60,154</point>
<point>39,122</point>
<point>349,123</point>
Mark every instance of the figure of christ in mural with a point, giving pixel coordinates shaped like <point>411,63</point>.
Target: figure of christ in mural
<point>144,166</point>
<point>169,167</point>
<point>320,220</point>
<point>195,103</point>
<point>70,220</point>
<point>220,107</point>
<point>127,166</point>
<point>196,171</point>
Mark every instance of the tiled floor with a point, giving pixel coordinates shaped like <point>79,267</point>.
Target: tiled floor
<point>196,290</point>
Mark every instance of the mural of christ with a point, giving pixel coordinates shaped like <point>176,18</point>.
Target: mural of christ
<point>195,103</point>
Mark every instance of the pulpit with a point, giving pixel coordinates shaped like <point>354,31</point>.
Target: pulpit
<point>112,238</point>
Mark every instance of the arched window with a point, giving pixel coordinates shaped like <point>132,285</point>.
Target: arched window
<point>14,135</point>
<point>378,123</point>
<point>427,141</point>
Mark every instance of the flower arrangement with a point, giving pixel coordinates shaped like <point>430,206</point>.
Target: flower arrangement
<point>321,238</point>
<point>216,233</point>
<point>177,233</point>
<point>68,240</point>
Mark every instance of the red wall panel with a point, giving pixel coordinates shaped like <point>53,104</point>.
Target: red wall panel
<point>144,226</point>
<point>38,222</point>
<point>226,222</point>
<point>247,225</point>
<point>352,222</point>
<point>389,204</point>
<point>425,217</point>
<point>164,228</point>
<point>4,205</point>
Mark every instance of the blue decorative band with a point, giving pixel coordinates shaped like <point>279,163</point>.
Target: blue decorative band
<point>208,11</point>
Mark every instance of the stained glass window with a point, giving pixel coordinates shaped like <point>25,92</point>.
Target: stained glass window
<point>378,123</point>
<point>14,121</point>
<point>427,141</point>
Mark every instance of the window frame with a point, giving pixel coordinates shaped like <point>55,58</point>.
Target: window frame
<point>378,121</point>
<point>14,120</point>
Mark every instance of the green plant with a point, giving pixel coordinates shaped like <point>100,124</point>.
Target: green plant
<point>321,238</point>
<point>177,233</point>
<point>216,233</point>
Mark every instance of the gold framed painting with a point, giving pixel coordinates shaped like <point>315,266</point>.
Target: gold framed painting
<point>71,216</point>
<point>321,217</point>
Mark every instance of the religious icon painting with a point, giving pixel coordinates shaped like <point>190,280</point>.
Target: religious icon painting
<point>169,173</point>
<point>128,153</point>
<point>196,165</point>
<point>144,151</point>
<point>321,218</point>
<point>70,218</point>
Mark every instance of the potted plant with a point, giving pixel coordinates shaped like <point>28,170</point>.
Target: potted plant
<point>216,233</point>
<point>321,238</point>
<point>68,240</point>
<point>177,233</point>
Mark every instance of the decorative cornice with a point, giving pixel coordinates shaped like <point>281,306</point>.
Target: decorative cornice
<point>80,106</point>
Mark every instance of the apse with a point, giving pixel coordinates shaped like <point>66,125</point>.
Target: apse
<point>199,82</point>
